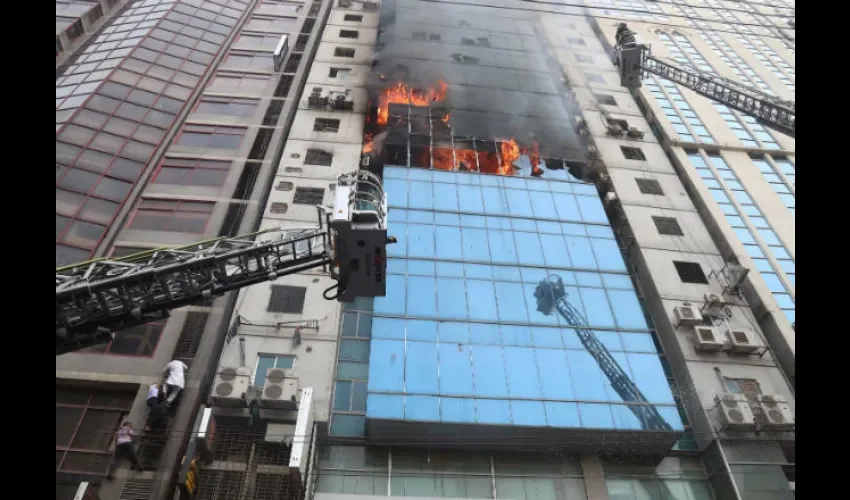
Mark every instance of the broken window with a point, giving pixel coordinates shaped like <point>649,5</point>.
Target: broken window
<point>690,272</point>
<point>287,299</point>
<point>326,125</point>
<point>318,157</point>
<point>631,153</point>
<point>340,73</point>
<point>349,34</point>
<point>649,186</point>
<point>343,52</point>
<point>605,99</point>
<point>667,225</point>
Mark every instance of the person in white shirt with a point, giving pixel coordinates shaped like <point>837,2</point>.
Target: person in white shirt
<point>153,395</point>
<point>123,449</point>
<point>175,379</point>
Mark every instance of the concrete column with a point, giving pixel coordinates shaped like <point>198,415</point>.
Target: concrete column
<point>594,477</point>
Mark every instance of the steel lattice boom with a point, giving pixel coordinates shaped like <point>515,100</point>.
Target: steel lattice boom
<point>551,296</point>
<point>633,59</point>
<point>95,298</point>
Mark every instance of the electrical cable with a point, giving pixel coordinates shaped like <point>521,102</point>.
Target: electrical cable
<point>593,16</point>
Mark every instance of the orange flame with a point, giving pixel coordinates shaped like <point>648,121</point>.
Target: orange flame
<point>466,160</point>
<point>442,158</point>
<point>510,153</point>
<point>446,118</point>
<point>402,93</point>
<point>367,143</point>
<point>534,158</point>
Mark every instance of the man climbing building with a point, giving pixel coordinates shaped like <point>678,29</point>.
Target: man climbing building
<point>175,376</point>
<point>123,449</point>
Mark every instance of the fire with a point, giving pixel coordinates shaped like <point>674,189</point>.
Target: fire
<point>466,160</point>
<point>534,158</point>
<point>510,153</point>
<point>402,93</point>
<point>367,143</point>
<point>442,158</point>
<point>446,118</point>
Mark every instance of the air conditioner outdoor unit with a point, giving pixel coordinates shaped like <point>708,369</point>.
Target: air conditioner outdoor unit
<point>687,314</point>
<point>316,100</point>
<point>706,339</point>
<point>635,133</point>
<point>713,300</point>
<point>280,390</point>
<point>777,414</point>
<point>741,341</point>
<point>341,101</point>
<point>230,384</point>
<point>735,412</point>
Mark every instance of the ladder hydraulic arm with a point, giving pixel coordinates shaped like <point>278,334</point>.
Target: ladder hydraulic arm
<point>552,296</point>
<point>634,60</point>
<point>96,298</point>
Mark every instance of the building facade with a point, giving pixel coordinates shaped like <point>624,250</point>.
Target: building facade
<point>531,344</point>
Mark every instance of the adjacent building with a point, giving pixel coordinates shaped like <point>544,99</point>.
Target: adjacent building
<point>592,290</point>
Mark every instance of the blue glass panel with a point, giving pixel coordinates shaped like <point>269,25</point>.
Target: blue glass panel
<point>784,300</point>
<point>611,340</point>
<point>453,332</point>
<point>394,172</point>
<point>396,192</point>
<point>585,189</point>
<point>624,418</point>
<point>561,187</point>
<point>519,336</point>
<point>617,281</point>
<point>773,282</point>
<point>399,248</point>
<point>447,219</point>
<point>458,410</point>
<point>385,406</point>
<point>791,315</point>
<point>420,216</point>
<point>420,241</point>
<point>595,416</point>
<point>502,249</point>
<point>650,377</point>
<point>535,316</point>
<point>528,248</point>
<point>424,408</point>
<point>591,209</point>
<point>470,199</point>
<point>418,174</point>
<point>608,255</point>
<point>494,411</point>
<point>484,334</point>
<point>585,371</point>
<point>671,415</point>
<point>581,253</point>
<point>425,331</point>
<point>570,338</point>
<point>597,309</point>
<point>421,267</point>
<point>397,215</point>
<point>524,225</point>
<point>358,396</point>
<point>389,328</point>
<point>451,298</point>
<point>494,200</point>
<point>510,309</point>
<point>455,370</point>
<point>546,337</point>
<point>554,252</point>
<point>488,368</point>
<point>420,372</point>
<point>421,296</point>
<point>548,227</point>
<point>519,203</point>
<point>528,413</point>
<point>555,380</point>
<point>638,342</point>
<point>445,197</point>
<point>478,271</point>
<point>504,273</point>
<point>574,229</point>
<point>788,266</point>
<point>475,245</point>
<point>562,414</point>
<point>420,196</point>
<point>396,266</point>
<point>600,231</point>
<point>450,269</point>
<point>627,310</point>
<point>543,205</point>
<point>386,366</point>
<point>478,221</point>
<point>503,223</point>
<point>482,300</point>
<point>348,425</point>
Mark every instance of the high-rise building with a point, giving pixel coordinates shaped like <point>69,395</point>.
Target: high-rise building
<point>592,290</point>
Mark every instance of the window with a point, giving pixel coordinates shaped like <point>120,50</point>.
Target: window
<point>267,361</point>
<point>263,62</point>
<point>229,82</point>
<point>340,73</point>
<point>211,136</point>
<point>353,17</point>
<point>200,172</point>
<point>326,125</point>
<point>139,341</point>
<point>631,153</point>
<point>348,34</point>
<point>575,41</point>
<point>605,99</point>
<point>309,196</point>
<point>177,216</point>
<point>594,77</point>
<point>667,225</point>
<point>224,106</point>
<point>649,186</point>
<point>343,52</point>
<point>86,421</point>
<point>287,299</point>
<point>747,386</point>
<point>350,396</point>
<point>690,272</point>
<point>318,157</point>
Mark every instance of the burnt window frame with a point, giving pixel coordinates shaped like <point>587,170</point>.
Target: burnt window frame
<point>318,157</point>
<point>633,153</point>
<point>307,195</point>
<point>290,304</point>
<point>687,272</point>
<point>346,52</point>
<point>327,125</point>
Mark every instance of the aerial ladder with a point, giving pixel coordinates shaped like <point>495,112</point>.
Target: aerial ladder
<point>552,296</point>
<point>634,60</point>
<point>98,297</point>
